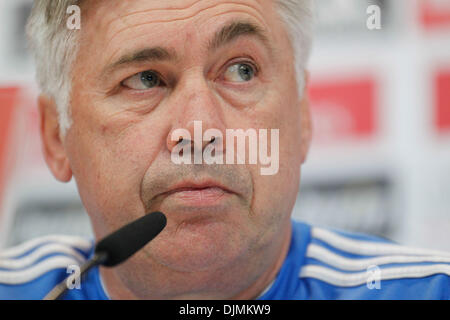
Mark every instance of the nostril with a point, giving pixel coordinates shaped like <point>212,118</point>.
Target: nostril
<point>182,141</point>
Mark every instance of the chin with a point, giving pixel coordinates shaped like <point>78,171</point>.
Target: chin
<point>200,247</point>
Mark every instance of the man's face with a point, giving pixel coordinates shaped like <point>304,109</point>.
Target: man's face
<point>147,68</point>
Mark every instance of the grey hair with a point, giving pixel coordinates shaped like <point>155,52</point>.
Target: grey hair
<point>299,20</point>
<point>55,47</point>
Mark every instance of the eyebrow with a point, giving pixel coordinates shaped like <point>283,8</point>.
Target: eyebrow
<point>225,35</point>
<point>234,30</point>
<point>143,55</point>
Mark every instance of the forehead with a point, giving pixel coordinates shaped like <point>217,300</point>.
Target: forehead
<point>106,12</point>
<point>110,23</point>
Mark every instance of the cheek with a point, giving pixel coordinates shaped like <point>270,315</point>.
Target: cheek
<point>279,114</point>
<point>286,184</point>
<point>109,162</point>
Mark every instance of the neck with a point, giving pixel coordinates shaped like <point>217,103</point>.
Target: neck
<point>266,279</point>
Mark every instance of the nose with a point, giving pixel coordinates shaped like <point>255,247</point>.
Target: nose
<point>200,118</point>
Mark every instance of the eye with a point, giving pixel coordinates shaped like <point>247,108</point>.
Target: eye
<point>240,72</point>
<point>143,80</point>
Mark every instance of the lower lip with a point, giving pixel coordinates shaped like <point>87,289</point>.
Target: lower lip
<point>200,197</point>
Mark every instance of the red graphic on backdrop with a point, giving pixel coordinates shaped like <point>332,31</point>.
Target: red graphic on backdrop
<point>7,102</point>
<point>435,13</point>
<point>442,101</point>
<point>343,108</point>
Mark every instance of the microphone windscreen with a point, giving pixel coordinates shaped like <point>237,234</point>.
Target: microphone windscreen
<point>126,241</point>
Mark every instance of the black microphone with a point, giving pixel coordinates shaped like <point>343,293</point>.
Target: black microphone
<point>118,246</point>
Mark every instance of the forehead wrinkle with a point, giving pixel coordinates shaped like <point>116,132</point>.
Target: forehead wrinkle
<point>124,17</point>
<point>171,50</point>
<point>163,9</point>
<point>127,26</point>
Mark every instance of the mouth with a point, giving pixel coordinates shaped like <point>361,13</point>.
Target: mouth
<point>198,195</point>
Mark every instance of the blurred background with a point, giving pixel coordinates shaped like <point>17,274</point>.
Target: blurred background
<point>380,158</point>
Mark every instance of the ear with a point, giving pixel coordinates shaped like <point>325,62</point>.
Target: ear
<point>306,121</point>
<point>52,142</point>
